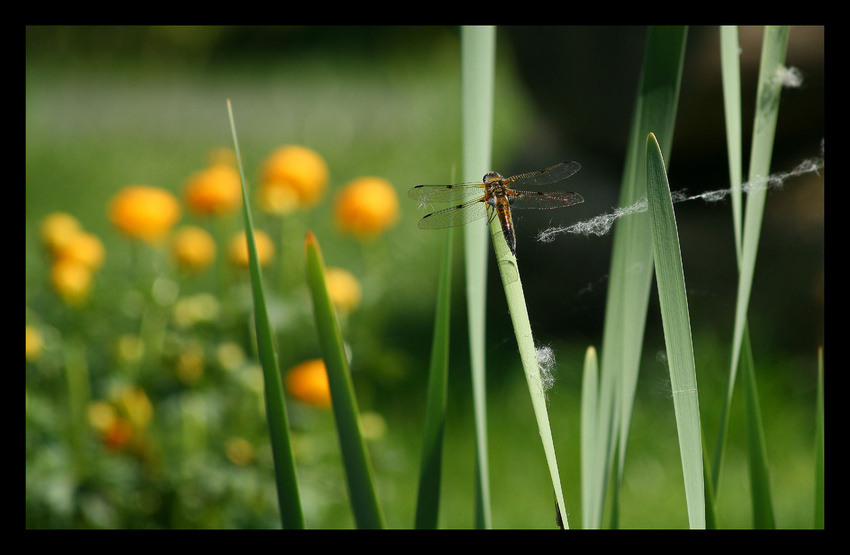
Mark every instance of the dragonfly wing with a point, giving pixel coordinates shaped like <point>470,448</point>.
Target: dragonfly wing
<point>547,176</point>
<point>454,216</point>
<point>521,200</point>
<point>446,193</point>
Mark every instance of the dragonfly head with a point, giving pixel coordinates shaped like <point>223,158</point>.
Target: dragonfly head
<point>492,176</point>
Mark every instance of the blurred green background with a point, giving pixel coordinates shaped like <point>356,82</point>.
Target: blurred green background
<point>112,106</point>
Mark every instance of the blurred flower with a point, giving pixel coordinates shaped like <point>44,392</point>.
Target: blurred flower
<point>193,248</point>
<point>239,451</point>
<point>366,206</point>
<point>343,288</point>
<point>137,406</point>
<point>122,421</point>
<point>71,280</point>
<point>144,212</point>
<point>238,250</point>
<point>57,228</point>
<point>292,176</point>
<point>35,343</point>
<point>82,247</point>
<point>308,382</point>
<point>230,355</point>
<point>129,348</point>
<point>216,190</point>
<point>190,363</point>
<point>196,309</point>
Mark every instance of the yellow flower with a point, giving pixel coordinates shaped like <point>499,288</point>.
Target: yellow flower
<point>57,228</point>
<point>366,206</point>
<point>193,248</point>
<point>35,344</point>
<point>144,212</point>
<point>71,280</point>
<point>343,288</point>
<point>292,176</point>
<point>308,382</point>
<point>238,250</point>
<point>216,190</point>
<point>82,247</point>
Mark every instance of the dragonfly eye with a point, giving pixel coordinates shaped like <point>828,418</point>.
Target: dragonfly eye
<point>492,176</point>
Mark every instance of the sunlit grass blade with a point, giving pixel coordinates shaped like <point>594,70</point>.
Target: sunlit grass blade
<point>767,107</point>
<point>528,356</point>
<point>478,52</point>
<point>730,65</point>
<point>428,500</point>
<point>819,460</point>
<point>284,465</point>
<point>670,279</point>
<point>631,259</point>
<point>358,470</point>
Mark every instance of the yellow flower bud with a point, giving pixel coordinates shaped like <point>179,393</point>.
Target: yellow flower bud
<point>299,172</point>
<point>366,206</point>
<point>308,382</point>
<point>193,248</point>
<point>144,212</point>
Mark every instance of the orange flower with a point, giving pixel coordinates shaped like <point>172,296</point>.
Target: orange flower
<point>216,190</point>
<point>238,250</point>
<point>35,344</point>
<point>144,212</point>
<point>193,248</point>
<point>366,206</point>
<point>308,382</point>
<point>292,176</point>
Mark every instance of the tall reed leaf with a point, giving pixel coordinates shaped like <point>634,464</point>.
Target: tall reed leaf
<point>284,466</point>
<point>428,500</point>
<point>358,470</point>
<point>509,271</point>
<point>631,261</point>
<point>670,279</point>
<point>478,52</point>
<point>767,107</point>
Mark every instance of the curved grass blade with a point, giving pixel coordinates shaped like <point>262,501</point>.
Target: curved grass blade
<point>428,500</point>
<point>528,355</point>
<point>285,479</point>
<point>358,470</point>
<point>478,53</point>
<point>670,280</point>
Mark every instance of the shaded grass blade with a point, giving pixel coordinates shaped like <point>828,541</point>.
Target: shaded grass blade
<point>428,500</point>
<point>670,280</point>
<point>358,470</point>
<point>478,52</point>
<point>819,456</point>
<point>285,478</point>
<point>631,262</point>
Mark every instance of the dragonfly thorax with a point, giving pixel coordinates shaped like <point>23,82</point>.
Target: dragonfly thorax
<point>490,177</point>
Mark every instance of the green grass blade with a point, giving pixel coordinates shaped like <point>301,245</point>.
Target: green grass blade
<point>589,437</point>
<point>819,460</point>
<point>631,259</point>
<point>528,355</point>
<point>478,52</point>
<point>670,279</point>
<point>762,502</point>
<point>285,479</point>
<point>767,107</point>
<point>731,75</point>
<point>358,470</point>
<point>428,500</point>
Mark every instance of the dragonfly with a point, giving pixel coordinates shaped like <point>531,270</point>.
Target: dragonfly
<point>497,193</point>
